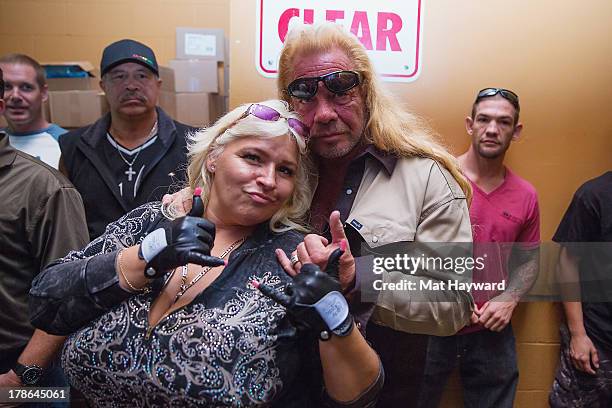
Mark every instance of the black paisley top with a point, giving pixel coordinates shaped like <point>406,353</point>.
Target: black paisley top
<point>230,347</point>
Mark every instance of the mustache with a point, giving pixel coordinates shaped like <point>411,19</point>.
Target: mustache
<point>327,129</point>
<point>132,95</point>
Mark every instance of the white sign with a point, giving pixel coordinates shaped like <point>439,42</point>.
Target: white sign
<point>389,30</point>
<point>203,45</point>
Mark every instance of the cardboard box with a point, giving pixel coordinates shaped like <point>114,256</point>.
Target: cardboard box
<point>200,43</point>
<point>223,78</point>
<point>217,107</point>
<point>75,108</point>
<point>104,107</point>
<point>195,75</point>
<point>166,74</point>
<point>84,83</point>
<point>195,109</point>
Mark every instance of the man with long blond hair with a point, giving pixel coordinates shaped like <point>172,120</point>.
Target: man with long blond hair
<point>380,166</point>
<point>382,179</point>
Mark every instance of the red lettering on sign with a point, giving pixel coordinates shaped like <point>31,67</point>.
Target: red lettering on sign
<point>385,33</point>
<point>360,26</point>
<point>308,16</point>
<point>283,22</point>
<point>333,15</point>
<point>360,20</point>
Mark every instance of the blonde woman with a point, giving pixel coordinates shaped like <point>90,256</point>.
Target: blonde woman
<point>165,310</point>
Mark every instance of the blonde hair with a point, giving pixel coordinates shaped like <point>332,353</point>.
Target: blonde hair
<point>210,142</point>
<point>389,127</point>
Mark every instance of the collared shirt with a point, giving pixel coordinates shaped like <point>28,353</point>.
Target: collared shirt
<point>344,201</point>
<point>41,219</point>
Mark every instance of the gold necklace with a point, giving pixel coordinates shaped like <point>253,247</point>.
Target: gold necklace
<point>186,286</point>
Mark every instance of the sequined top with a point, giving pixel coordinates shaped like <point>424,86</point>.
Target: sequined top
<point>229,347</point>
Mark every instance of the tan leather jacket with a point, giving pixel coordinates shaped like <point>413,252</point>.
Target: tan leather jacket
<point>421,202</point>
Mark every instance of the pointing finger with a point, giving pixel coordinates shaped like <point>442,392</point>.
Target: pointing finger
<point>285,262</point>
<point>336,227</point>
<point>275,295</point>
<point>333,262</point>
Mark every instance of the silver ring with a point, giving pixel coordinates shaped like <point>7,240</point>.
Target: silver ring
<point>294,259</point>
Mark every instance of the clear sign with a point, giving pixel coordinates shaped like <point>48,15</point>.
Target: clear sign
<point>389,30</point>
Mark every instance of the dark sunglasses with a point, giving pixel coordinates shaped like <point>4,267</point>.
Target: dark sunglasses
<point>269,114</point>
<point>505,93</point>
<point>336,82</point>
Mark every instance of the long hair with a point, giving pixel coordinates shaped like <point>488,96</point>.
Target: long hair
<point>389,127</point>
<point>210,143</point>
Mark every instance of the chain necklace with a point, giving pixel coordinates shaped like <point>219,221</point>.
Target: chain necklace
<point>130,172</point>
<point>186,286</point>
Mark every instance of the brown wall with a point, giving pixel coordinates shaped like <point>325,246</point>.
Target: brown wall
<point>52,30</point>
<point>557,55</point>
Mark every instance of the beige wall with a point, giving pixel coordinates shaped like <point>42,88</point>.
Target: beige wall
<point>557,56</point>
<point>51,30</point>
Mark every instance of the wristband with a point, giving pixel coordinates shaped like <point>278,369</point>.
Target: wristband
<point>334,311</point>
<point>152,244</point>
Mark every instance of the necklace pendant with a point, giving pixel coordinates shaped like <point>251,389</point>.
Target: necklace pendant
<point>129,172</point>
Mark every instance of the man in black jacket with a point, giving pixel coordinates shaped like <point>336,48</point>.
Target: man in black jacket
<point>134,153</point>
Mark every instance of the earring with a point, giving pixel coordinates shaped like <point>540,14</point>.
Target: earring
<point>212,168</point>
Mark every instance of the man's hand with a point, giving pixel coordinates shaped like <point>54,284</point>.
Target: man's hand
<point>179,202</point>
<point>474,318</point>
<point>316,249</point>
<point>9,380</point>
<point>584,354</point>
<point>496,313</point>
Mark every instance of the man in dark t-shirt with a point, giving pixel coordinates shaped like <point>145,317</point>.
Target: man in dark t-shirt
<point>584,377</point>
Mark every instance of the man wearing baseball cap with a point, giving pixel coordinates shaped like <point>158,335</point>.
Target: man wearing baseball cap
<point>121,160</point>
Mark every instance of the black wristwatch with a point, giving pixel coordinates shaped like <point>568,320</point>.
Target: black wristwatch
<point>29,374</point>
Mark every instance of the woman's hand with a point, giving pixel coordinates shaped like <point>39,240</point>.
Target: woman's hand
<point>184,240</point>
<point>313,301</point>
<point>316,249</point>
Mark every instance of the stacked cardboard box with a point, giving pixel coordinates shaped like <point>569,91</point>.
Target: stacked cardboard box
<point>194,85</point>
<point>74,101</point>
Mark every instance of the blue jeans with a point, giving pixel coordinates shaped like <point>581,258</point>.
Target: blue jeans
<point>487,365</point>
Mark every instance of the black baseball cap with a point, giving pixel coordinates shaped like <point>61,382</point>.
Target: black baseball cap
<point>128,51</point>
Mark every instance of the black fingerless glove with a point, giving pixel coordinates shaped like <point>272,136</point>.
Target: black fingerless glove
<point>314,301</point>
<point>184,240</point>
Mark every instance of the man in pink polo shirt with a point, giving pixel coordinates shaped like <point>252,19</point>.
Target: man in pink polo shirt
<point>506,227</point>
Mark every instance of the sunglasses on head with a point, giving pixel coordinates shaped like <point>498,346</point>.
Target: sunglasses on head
<point>336,82</point>
<point>269,114</point>
<point>505,93</point>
